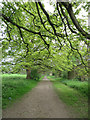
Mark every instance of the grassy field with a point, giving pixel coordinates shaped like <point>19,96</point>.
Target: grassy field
<point>14,86</point>
<point>73,94</point>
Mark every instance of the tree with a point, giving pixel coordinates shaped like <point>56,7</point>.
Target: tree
<point>35,37</point>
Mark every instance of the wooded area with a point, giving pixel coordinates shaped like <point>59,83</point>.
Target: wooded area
<point>33,38</point>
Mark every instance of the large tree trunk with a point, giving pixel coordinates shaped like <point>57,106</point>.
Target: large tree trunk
<point>71,74</point>
<point>59,74</point>
<point>28,74</point>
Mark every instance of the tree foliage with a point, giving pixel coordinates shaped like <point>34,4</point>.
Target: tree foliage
<point>36,38</point>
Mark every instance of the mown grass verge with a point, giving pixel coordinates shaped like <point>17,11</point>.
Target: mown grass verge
<point>76,101</point>
<point>14,86</point>
<point>74,83</point>
<point>80,86</point>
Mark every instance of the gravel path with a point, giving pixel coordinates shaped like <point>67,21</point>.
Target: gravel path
<point>41,102</point>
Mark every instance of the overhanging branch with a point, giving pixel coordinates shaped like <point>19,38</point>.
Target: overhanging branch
<point>74,20</point>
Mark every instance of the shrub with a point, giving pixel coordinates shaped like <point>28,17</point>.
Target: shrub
<point>34,74</point>
<point>64,74</point>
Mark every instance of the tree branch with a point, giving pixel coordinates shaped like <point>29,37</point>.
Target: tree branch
<point>9,20</point>
<point>42,20</point>
<point>47,17</point>
<point>69,40</point>
<point>66,19</point>
<point>74,20</point>
<point>27,45</point>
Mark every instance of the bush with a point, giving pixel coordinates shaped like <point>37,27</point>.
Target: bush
<point>64,74</point>
<point>34,74</point>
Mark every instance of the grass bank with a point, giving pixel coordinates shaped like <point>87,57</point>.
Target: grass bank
<point>14,86</point>
<point>78,85</point>
<point>75,99</point>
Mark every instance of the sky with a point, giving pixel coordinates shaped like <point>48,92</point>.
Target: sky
<point>48,7</point>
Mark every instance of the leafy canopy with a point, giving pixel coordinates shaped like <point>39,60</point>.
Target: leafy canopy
<point>34,37</point>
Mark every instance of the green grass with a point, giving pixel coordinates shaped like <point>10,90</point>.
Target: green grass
<point>53,78</point>
<point>80,86</point>
<point>76,100</point>
<point>14,86</point>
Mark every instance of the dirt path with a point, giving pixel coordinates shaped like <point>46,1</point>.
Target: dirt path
<point>41,102</point>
